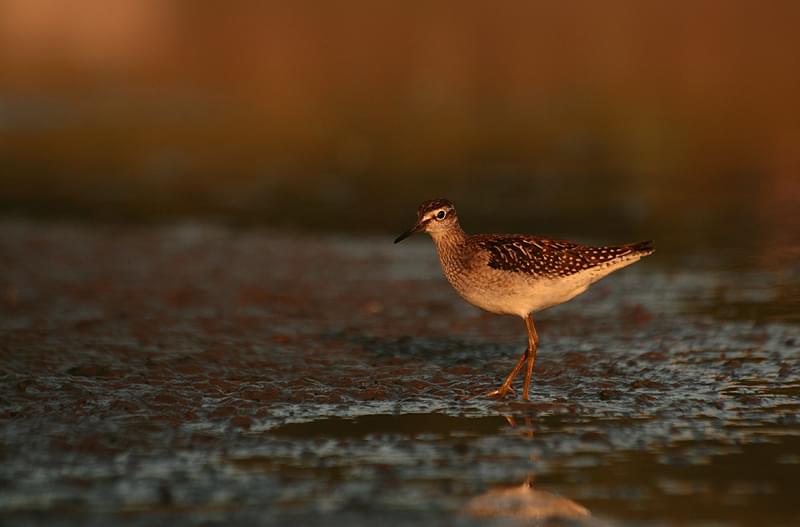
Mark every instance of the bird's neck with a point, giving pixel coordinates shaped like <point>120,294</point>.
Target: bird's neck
<point>450,240</point>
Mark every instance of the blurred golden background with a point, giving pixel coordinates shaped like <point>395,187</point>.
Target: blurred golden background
<point>673,120</point>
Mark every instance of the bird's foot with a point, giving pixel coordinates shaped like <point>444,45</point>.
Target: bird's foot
<point>501,392</point>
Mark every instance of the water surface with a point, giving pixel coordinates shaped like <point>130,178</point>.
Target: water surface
<point>195,374</point>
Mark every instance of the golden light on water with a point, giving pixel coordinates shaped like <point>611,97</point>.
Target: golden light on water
<point>203,316</point>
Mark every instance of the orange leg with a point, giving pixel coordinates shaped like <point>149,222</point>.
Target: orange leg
<point>533,344</point>
<point>529,356</point>
<point>506,387</point>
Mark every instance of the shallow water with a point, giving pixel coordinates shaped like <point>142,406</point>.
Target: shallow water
<point>193,374</point>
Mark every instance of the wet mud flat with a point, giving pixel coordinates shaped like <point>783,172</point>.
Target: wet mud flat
<point>195,374</point>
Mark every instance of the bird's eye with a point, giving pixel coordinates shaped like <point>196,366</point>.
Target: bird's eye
<point>440,215</point>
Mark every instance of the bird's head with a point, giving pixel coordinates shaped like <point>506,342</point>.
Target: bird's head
<point>436,216</point>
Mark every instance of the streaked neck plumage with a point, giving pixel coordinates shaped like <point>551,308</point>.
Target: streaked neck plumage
<point>449,241</point>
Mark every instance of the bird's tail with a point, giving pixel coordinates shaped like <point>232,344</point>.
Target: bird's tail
<point>645,248</point>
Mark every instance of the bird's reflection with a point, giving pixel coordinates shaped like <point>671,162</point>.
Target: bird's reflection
<point>525,502</point>
<point>527,421</point>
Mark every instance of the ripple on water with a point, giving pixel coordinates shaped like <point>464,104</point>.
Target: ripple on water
<point>187,388</point>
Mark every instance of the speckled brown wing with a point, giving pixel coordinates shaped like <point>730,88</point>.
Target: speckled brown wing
<point>551,258</point>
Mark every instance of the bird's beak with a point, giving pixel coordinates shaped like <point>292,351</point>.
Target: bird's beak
<point>416,228</point>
